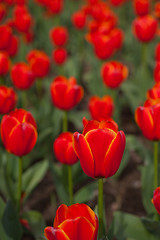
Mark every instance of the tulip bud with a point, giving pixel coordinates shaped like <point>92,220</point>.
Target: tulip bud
<point>156,199</point>
<point>59,56</point>
<point>59,36</point>
<point>4,63</point>
<point>8,99</point>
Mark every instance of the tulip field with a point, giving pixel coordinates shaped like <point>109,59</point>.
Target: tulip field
<point>79,119</point>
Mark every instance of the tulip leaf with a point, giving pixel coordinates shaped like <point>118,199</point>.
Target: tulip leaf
<point>85,193</point>
<point>11,222</point>
<point>2,232</point>
<point>127,226</point>
<point>33,176</point>
<point>151,226</point>
<point>36,223</point>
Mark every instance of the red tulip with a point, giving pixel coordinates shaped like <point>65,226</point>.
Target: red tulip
<point>59,36</point>
<point>77,221</point>
<point>147,119</point>
<point>101,108</point>
<point>153,96</point>
<point>156,199</point>
<point>141,7</point>
<point>4,63</point>
<point>20,2</point>
<point>2,11</point>
<point>157,72</point>
<point>117,3</point>
<point>79,19</point>
<point>55,6</point>
<point>12,49</point>
<point>18,132</point>
<point>8,99</point>
<point>145,28</point>
<point>59,56</point>
<point>157,10</point>
<point>6,35</point>
<point>22,76</point>
<point>157,52</point>
<point>100,148</point>
<point>66,94</point>
<point>114,73</point>
<point>63,149</point>
<point>39,63</point>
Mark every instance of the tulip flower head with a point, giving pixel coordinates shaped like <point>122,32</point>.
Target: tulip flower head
<point>147,119</point>
<point>153,96</point>
<point>6,35</point>
<point>141,7</point>
<point>22,76</point>
<point>8,99</point>
<point>63,149</point>
<point>114,73</point>
<point>77,221</point>
<point>59,36</point>
<point>59,56</point>
<point>79,19</point>
<point>145,28</point>
<point>65,93</point>
<point>4,63</point>
<point>19,132</point>
<point>101,108</point>
<point>39,63</point>
<point>100,148</point>
<point>156,199</point>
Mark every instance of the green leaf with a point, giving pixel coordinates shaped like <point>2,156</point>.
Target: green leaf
<point>2,209</point>
<point>128,226</point>
<point>77,116</point>
<point>86,193</point>
<point>11,222</point>
<point>151,226</point>
<point>33,175</point>
<point>36,222</point>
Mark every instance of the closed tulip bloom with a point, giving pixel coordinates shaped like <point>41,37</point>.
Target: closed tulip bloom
<point>55,6</point>
<point>101,108</point>
<point>19,132</point>
<point>63,149</point>
<point>145,28</point>
<point>157,53</point>
<point>79,19</point>
<point>156,199</point>
<point>22,76</point>
<point>6,34</point>
<point>59,56</point>
<point>8,99</point>
<point>2,11</point>
<point>59,36</point>
<point>117,3</point>
<point>12,49</point>
<point>65,93</point>
<point>77,221</point>
<point>39,63</point>
<point>153,96</point>
<point>4,63</point>
<point>157,10</point>
<point>141,7</point>
<point>147,119</point>
<point>114,73</point>
<point>100,148</point>
<point>157,72</point>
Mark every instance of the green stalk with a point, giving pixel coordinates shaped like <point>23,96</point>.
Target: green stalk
<point>65,122</point>
<point>155,164</point>
<point>8,183</point>
<point>144,55</point>
<point>23,99</point>
<point>39,87</point>
<point>100,206</point>
<point>70,185</point>
<point>19,189</point>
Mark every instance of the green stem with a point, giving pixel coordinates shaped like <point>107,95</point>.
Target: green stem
<point>23,99</point>
<point>70,185</point>
<point>8,183</point>
<point>144,55</point>
<point>65,123</point>
<point>19,190</point>
<point>155,165</point>
<point>100,206</point>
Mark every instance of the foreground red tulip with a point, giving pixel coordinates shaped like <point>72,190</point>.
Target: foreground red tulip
<point>114,73</point>
<point>156,199</point>
<point>101,108</point>
<point>100,148</point>
<point>4,63</point>
<point>39,63</point>
<point>59,56</point>
<point>153,96</point>
<point>19,132</point>
<point>22,76</point>
<point>63,149</point>
<point>141,7</point>
<point>147,119</point>
<point>65,93</point>
<point>59,36</point>
<point>145,28</point>
<point>8,99</point>
<point>77,221</point>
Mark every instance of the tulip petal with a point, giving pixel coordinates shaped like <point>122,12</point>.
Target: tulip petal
<point>55,234</point>
<point>79,229</point>
<point>84,153</point>
<point>73,96</point>
<point>22,139</point>
<point>99,141</point>
<point>156,118</point>
<point>58,93</point>
<point>114,155</point>
<point>61,215</point>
